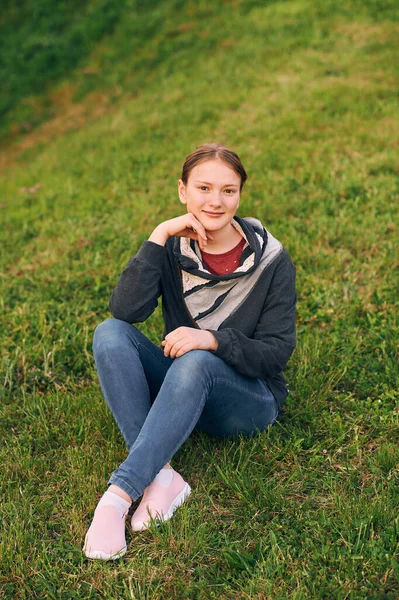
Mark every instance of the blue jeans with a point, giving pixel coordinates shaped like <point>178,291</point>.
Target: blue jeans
<point>157,401</point>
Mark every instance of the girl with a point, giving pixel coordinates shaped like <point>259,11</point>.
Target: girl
<point>228,303</point>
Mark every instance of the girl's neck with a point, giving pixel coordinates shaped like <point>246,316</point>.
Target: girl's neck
<point>223,240</point>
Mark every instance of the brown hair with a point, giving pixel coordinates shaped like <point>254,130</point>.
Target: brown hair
<point>213,152</point>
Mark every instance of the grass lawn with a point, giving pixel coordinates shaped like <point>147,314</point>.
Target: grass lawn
<point>307,94</point>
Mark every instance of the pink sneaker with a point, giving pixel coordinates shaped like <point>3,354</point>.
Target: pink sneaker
<point>105,539</point>
<point>160,500</point>
<point>107,525</point>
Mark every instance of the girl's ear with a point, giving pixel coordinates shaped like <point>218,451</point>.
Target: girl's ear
<point>182,191</point>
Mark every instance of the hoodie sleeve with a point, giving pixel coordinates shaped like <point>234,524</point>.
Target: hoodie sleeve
<point>266,353</point>
<point>136,294</point>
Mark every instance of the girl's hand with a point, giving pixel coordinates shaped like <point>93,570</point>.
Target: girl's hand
<point>185,226</point>
<point>183,339</point>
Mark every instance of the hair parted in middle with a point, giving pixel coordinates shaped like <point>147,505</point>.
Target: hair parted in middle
<point>213,151</point>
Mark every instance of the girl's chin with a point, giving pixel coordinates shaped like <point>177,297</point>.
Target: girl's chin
<point>214,224</point>
<point>214,228</point>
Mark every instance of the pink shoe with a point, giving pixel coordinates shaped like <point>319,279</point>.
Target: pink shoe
<point>105,539</point>
<point>160,500</point>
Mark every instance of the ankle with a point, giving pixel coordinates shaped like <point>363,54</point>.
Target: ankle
<point>115,489</point>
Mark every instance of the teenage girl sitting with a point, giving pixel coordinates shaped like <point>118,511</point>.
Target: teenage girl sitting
<point>228,301</point>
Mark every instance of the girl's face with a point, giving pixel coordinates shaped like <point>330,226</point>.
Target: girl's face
<point>212,194</point>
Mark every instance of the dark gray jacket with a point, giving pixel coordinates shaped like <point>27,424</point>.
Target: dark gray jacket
<point>258,336</point>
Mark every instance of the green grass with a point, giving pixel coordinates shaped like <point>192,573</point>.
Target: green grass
<point>41,43</point>
<point>307,93</point>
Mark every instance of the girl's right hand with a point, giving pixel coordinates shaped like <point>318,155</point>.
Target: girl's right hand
<point>184,226</point>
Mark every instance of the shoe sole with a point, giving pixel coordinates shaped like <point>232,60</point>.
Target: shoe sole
<point>178,501</point>
<point>100,555</point>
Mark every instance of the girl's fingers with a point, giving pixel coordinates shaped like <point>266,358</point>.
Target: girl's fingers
<point>177,346</point>
<point>167,347</point>
<point>183,350</point>
<point>198,228</point>
<point>189,226</point>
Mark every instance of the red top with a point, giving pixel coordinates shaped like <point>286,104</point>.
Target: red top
<point>228,262</point>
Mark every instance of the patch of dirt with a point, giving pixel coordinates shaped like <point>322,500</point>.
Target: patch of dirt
<point>362,34</point>
<point>70,116</point>
<point>288,78</point>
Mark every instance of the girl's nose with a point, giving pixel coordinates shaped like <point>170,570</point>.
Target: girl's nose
<point>215,200</point>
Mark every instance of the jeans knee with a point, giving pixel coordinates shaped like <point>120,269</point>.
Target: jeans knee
<point>193,364</point>
<point>109,335</point>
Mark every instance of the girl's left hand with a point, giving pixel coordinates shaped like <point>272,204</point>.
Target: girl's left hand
<point>183,339</point>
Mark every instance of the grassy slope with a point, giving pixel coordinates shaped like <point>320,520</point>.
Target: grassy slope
<point>40,43</point>
<point>307,94</point>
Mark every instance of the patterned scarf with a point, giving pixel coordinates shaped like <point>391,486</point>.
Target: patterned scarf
<point>210,299</point>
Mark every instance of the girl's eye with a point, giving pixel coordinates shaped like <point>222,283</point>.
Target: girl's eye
<point>203,188</point>
<point>229,191</point>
